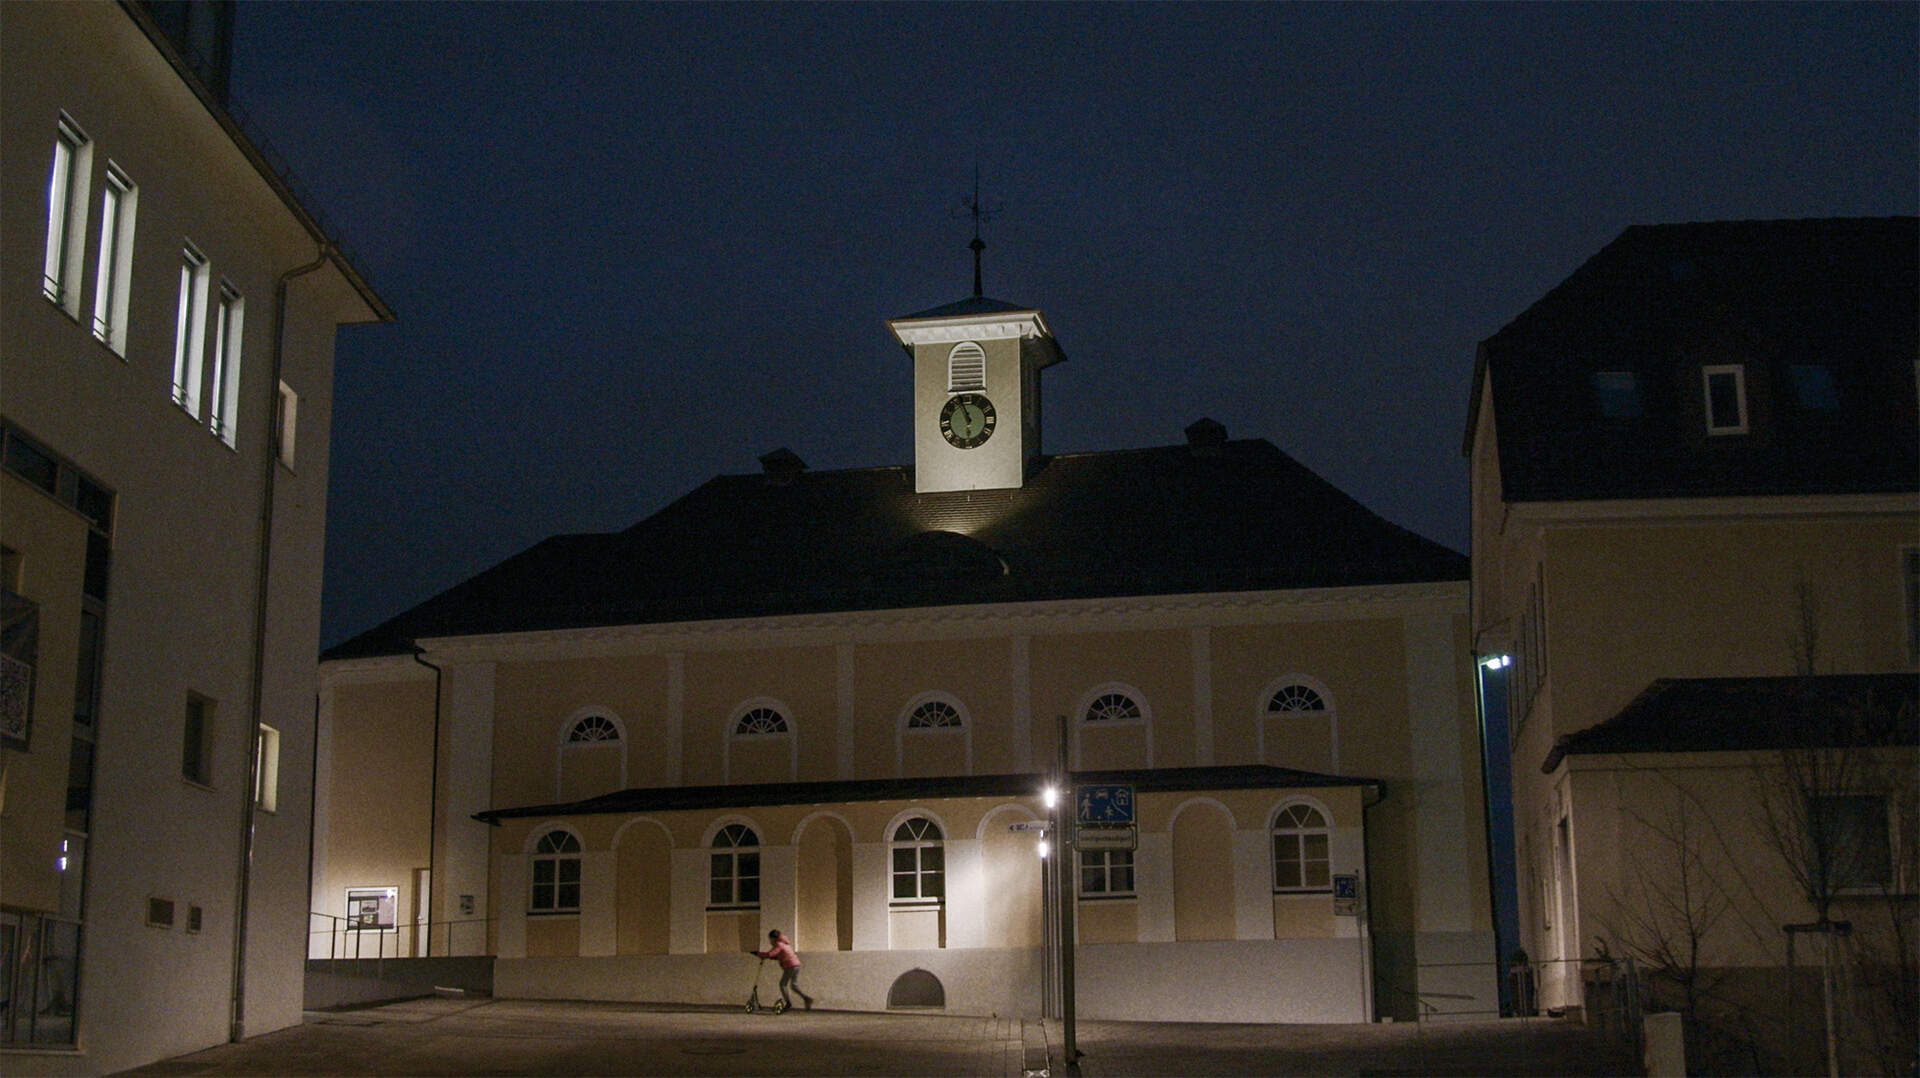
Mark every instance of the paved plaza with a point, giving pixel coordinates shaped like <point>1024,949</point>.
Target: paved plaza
<point>522,1037</point>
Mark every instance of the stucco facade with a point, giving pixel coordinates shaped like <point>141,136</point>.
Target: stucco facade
<point>168,532</point>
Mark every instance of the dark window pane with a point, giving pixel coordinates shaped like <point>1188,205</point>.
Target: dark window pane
<point>569,897</point>
<point>542,871</point>
<point>903,885</point>
<point>903,860</point>
<point>749,889</point>
<point>569,870</point>
<point>29,463</point>
<point>720,892</point>
<point>933,885</point>
<point>749,864</point>
<point>932,858</point>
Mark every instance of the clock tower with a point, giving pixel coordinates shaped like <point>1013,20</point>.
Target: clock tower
<point>976,391</point>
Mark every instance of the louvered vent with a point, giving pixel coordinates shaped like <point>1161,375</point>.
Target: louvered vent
<point>966,368</point>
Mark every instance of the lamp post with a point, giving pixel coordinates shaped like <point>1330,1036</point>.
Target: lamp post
<point>1063,896</point>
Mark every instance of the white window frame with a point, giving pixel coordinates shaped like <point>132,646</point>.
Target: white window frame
<point>119,201</point>
<point>1891,883</point>
<point>190,329</point>
<point>731,854</point>
<point>565,850</point>
<point>1300,831</point>
<point>67,183</point>
<point>1105,869</point>
<point>1717,370</point>
<point>224,388</point>
<point>916,845</point>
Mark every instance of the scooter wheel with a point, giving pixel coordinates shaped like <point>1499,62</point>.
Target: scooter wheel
<point>781,1007</point>
<point>752,1007</point>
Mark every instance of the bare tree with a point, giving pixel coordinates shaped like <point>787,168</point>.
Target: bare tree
<point>1677,915</point>
<point>1842,755</point>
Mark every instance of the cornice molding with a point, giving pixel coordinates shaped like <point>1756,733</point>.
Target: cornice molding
<point>948,622</point>
<point>1000,325</point>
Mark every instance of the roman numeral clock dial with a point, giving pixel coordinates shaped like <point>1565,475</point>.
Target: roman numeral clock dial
<point>967,420</point>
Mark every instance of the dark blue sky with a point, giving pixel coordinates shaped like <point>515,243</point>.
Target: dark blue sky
<point>632,247</point>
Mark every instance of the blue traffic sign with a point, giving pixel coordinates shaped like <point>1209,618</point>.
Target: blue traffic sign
<point>1105,804</point>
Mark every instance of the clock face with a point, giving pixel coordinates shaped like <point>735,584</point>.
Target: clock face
<point>967,420</point>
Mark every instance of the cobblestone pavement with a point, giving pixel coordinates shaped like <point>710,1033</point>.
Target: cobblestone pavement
<point>524,1037</point>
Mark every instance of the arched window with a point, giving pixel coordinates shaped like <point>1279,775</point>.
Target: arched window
<point>1112,707</point>
<point>593,728</point>
<point>556,874</point>
<point>1295,696</point>
<point>935,715</point>
<point>760,720</point>
<point>735,878</point>
<point>1301,859</point>
<point>919,863</point>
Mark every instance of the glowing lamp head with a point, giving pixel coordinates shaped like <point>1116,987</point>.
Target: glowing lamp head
<point>1044,847</point>
<point>1050,796</point>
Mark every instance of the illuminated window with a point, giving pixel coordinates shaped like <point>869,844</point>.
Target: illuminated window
<point>226,363</point>
<point>935,715</point>
<point>760,720</point>
<point>116,260</point>
<point>919,863</point>
<point>1112,707</point>
<point>286,420</point>
<point>556,874</point>
<point>1726,392</point>
<point>66,195</point>
<point>190,331</point>
<point>734,869</point>
<point>266,769</point>
<point>1301,861</point>
<point>196,741</point>
<point>1106,873</point>
<point>966,368</point>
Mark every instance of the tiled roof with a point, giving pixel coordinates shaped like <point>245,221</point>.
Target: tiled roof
<point>1231,516</point>
<point>1661,301</point>
<point>1156,780</point>
<point>1753,714</point>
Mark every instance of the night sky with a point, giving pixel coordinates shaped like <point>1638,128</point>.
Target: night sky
<point>632,247</point>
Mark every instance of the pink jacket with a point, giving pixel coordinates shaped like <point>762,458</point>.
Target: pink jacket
<point>782,952</point>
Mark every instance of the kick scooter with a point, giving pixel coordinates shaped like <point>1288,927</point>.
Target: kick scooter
<point>779,1006</point>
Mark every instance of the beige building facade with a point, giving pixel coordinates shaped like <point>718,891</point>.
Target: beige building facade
<point>1694,502</point>
<point>830,703</point>
<point>167,318</point>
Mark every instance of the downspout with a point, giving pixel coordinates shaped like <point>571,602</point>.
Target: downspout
<point>270,474</point>
<point>433,803</point>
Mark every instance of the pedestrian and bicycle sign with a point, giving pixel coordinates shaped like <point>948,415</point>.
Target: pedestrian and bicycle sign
<point>1104,804</point>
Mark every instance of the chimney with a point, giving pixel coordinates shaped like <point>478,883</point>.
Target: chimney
<point>782,465</point>
<point>1205,437</point>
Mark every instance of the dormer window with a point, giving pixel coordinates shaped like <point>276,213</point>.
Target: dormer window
<point>1726,398</point>
<point>1616,394</point>
<point>967,368</point>
<point>1814,388</point>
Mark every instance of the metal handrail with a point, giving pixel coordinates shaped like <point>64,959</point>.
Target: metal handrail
<point>347,942</point>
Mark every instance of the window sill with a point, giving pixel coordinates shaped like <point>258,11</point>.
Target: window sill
<point>1129,896</point>
<point>1305,893</point>
<point>553,913</point>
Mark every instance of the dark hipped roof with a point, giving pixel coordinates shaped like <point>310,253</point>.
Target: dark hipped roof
<point>1231,516</point>
<point>1753,714</point>
<point>1661,301</point>
<point>1158,780</point>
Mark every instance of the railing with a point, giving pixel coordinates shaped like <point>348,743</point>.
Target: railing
<point>346,939</point>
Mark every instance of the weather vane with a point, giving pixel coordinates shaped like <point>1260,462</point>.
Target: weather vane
<point>979,211</point>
